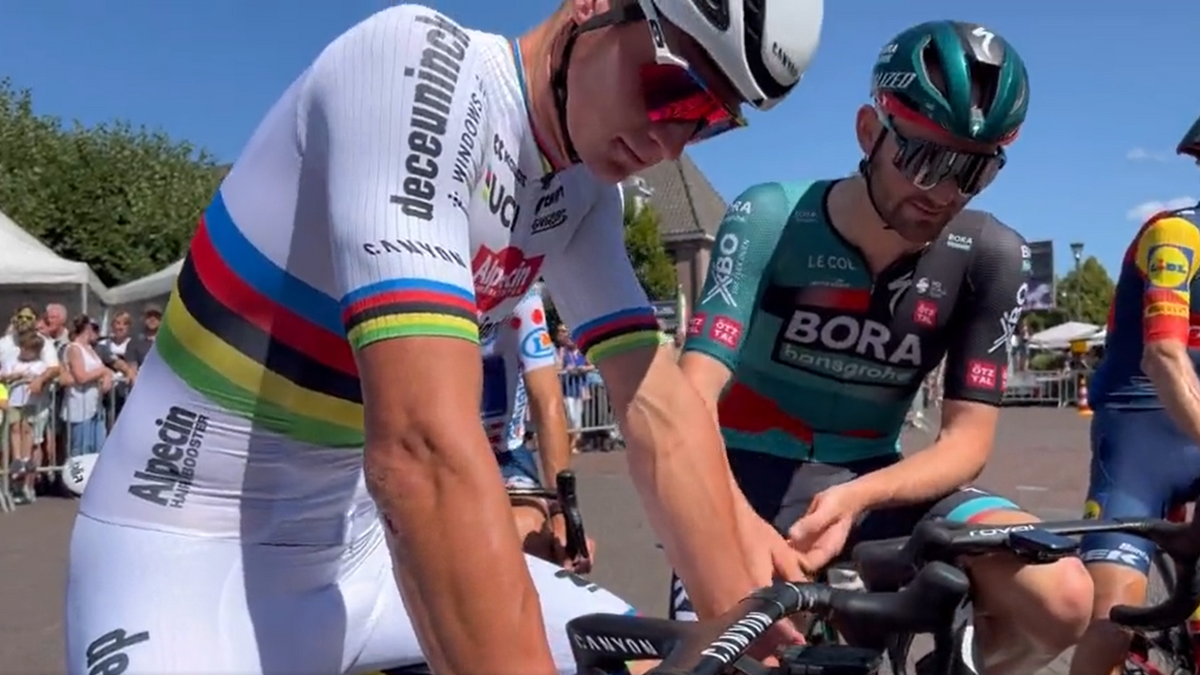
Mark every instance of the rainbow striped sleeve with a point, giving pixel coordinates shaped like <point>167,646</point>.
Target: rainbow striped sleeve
<point>618,333</point>
<point>408,308</point>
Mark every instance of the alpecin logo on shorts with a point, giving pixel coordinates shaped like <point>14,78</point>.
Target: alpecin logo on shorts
<point>167,477</point>
<point>107,654</point>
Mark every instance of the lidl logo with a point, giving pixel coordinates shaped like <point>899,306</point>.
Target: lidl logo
<point>1170,267</point>
<point>1091,510</point>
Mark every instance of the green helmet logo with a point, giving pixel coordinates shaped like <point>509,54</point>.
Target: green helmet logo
<point>963,77</point>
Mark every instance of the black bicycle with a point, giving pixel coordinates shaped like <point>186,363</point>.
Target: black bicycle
<point>890,564</point>
<point>923,593</point>
<point>563,499</point>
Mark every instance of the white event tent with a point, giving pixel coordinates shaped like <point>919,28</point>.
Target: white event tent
<point>155,288</point>
<point>1061,336</point>
<point>30,271</point>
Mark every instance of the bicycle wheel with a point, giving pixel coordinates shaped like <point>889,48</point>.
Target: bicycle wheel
<point>1167,652</point>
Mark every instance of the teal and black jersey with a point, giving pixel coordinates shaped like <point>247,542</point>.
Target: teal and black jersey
<point>825,356</point>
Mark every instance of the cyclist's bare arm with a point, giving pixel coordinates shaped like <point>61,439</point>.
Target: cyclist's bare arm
<point>1165,324</point>
<point>547,411</point>
<point>674,448</point>
<point>539,369</point>
<point>710,357</point>
<point>708,375</point>
<point>427,460</point>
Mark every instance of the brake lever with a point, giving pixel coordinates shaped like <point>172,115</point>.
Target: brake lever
<point>568,501</point>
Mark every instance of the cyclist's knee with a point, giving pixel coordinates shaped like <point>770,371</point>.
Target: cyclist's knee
<point>1067,593</point>
<point>1116,584</point>
<point>1051,605</point>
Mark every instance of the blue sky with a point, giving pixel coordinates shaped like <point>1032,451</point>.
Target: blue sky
<point>1112,90</point>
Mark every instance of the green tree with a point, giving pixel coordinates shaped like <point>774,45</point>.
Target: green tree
<point>643,241</point>
<point>1084,294</point>
<point>125,200</point>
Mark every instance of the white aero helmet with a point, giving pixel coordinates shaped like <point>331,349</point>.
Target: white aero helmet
<point>762,46</point>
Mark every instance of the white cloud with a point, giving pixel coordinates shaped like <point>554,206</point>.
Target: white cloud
<point>1143,211</point>
<point>1144,155</point>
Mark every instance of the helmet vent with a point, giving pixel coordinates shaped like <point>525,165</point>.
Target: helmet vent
<point>755,18</point>
<point>985,81</point>
<point>931,63</point>
<point>716,11</point>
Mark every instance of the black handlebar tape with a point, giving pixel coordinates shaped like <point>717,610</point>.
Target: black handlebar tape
<point>568,499</point>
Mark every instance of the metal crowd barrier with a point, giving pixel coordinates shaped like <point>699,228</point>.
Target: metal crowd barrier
<point>1044,388</point>
<point>596,421</point>
<point>1059,389</point>
<point>56,444</point>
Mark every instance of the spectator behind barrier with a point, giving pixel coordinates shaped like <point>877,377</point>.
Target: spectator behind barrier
<point>86,382</point>
<point>28,411</point>
<point>113,350</point>
<point>139,346</point>
<point>26,318</point>
<point>55,319</point>
<point>574,368</point>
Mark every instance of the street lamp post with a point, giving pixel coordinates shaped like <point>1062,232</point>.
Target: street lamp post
<point>1077,253</point>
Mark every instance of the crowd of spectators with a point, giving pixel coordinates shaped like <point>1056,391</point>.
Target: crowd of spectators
<point>61,386</point>
<point>63,381</point>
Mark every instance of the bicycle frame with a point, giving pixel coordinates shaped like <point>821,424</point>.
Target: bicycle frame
<point>1179,514</point>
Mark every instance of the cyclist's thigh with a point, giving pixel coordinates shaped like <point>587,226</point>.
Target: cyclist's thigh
<point>563,596</point>
<point>141,602</point>
<point>1140,464</point>
<point>779,490</point>
<point>964,505</point>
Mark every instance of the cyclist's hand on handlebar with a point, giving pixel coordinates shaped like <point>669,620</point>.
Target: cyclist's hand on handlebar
<point>770,555</point>
<point>821,533</point>
<point>544,536</point>
<point>771,558</point>
<point>558,533</point>
<point>779,637</point>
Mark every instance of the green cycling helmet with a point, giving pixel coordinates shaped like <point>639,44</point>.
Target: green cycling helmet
<point>1190,145</point>
<point>962,77</point>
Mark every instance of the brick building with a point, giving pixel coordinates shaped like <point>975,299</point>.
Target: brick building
<point>689,210</point>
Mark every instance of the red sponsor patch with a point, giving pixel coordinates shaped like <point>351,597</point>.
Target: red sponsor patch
<point>696,324</point>
<point>925,313</point>
<point>500,275</point>
<point>725,331</point>
<point>981,375</point>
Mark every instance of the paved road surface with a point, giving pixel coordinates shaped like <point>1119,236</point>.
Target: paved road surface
<point>1040,461</point>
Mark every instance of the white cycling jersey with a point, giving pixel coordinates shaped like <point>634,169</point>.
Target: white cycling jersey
<point>395,189</point>
<point>521,345</point>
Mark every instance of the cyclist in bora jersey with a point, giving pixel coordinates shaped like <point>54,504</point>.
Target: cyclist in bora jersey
<point>1145,433</point>
<point>828,303</point>
<point>318,368</point>
<point>520,376</point>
